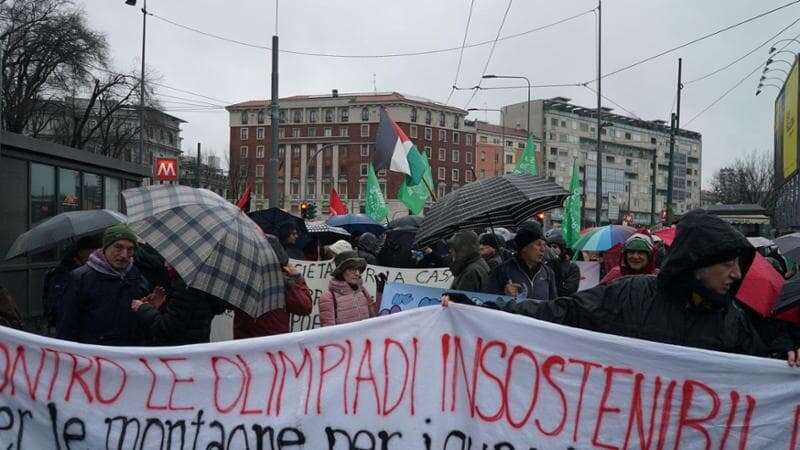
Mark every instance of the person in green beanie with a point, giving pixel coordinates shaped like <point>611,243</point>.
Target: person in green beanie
<point>637,258</point>
<point>95,307</point>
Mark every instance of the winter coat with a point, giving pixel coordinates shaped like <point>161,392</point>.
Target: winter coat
<point>470,274</point>
<point>9,314</point>
<point>672,307</point>
<point>368,248</point>
<point>624,270</point>
<point>340,303</point>
<point>96,307</point>
<point>539,284</point>
<point>568,277</point>
<point>493,261</point>
<point>298,302</point>
<point>184,319</point>
<point>55,283</point>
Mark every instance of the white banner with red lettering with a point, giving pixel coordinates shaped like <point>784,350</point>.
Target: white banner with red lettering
<point>430,378</point>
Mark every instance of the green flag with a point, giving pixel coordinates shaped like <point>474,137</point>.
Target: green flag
<point>415,197</point>
<point>571,225</point>
<point>375,206</point>
<point>527,165</point>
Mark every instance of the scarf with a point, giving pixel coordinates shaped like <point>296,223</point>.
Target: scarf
<point>98,262</point>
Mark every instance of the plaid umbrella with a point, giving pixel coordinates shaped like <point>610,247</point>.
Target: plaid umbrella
<point>211,243</point>
<point>506,200</point>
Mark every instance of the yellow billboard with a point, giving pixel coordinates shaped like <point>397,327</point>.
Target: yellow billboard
<point>790,123</point>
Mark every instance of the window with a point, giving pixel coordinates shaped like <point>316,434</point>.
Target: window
<point>328,132</point>
<point>454,175</point>
<point>244,117</point>
<point>440,190</point>
<point>243,171</point>
<point>467,139</point>
<point>468,157</point>
<point>428,152</point>
<point>553,151</point>
<point>311,189</point>
<point>363,170</point>
<point>428,117</point>
<point>111,192</point>
<point>312,116</point>
<point>243,151</point>
<point>344,131</point>
<point>342,190</point>
<point>442,154</point>
<point>413,114</point>
<point>260,133</point>
<point>553,122</point>
<point>243,133</point>
<point>281,133</point>
<point>455,156</point>
<point>365,130</point>
<point>456,137</point>
<point>296,132</point>
<point>364,114</point>
<point>412,131</point>
<point>344,115</point>
<point>282,116</point>
<point>628,136</point>
<point>364,149</point>
<point>563,124</point>
<point>442,136</point>
<point>428,134</point>
<point>467,176</point>
<point>281,151</point>
<point>259,189</point>
<point>297,116</point>
<point>259,170</point>
<point>584,127</point>
<point>603,131</point>
<point>260,117</point>
<point>652,140</point>
<point>328,115</point>
<point>312,131</point>
<point>441,120</point>
<point>610,159</point>
<point>456,122</point>
<point>509,159</point>
<point>296,151</point>
<point>259,151</point>
<point>441,173</point>
<point>483,156</point>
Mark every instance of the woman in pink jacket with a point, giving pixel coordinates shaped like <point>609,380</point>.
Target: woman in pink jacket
<point>346,300</point>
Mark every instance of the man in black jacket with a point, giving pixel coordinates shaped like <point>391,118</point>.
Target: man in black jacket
<point>525,275</point>
<point>688,303</point>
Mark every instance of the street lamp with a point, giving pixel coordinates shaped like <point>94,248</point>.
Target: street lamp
<point>529,93</point>
<point>502,136</point>
<point>772,54</point>
<point>141,79</point>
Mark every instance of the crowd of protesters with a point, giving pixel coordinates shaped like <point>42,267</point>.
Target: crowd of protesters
<point>115,290</point>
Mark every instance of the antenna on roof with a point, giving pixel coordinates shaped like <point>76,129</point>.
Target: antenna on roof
<point>374,85</point>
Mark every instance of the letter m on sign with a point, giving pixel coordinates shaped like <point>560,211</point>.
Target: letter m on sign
<point>166,169</point>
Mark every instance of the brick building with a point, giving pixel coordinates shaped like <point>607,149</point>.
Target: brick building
<point>498,149</point>
<point>327,141</point>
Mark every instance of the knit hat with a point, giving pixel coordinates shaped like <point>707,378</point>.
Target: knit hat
<point>347,260</point>
<point>528,232</point>
<point>493,240</point>
<point>339,247</point>
<point>118,232</point>
<point>638,242</point>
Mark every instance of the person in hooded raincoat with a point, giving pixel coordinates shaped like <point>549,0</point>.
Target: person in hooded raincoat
<point>368,247</point>
<point>637,258</point>
<point>689,303</point>
<point>470,271</point>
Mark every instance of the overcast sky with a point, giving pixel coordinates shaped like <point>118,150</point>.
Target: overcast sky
<point>565,53</point>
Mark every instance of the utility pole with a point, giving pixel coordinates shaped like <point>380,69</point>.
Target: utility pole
<point>675,126</point>
<point>197,170</point>
<point>599,190</point>
<point>275,124</point>
<point>141,86</point>
<point>653,189</point>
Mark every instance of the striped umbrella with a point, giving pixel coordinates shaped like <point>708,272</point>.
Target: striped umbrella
<point>504,201</point>
<point>600,239</point>
<point>211,243</point>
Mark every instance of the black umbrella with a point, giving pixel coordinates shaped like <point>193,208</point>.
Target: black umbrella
<point>507,200</point>
<point>789,245</point>
<point>269,220</point>
<point>789,296</point>
<point>406,222</point>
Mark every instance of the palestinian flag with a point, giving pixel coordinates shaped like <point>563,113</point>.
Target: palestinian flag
<point>395,151</point>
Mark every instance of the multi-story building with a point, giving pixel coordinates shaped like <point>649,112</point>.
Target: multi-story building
<point>327,141</point>
<point>498,148</point>
<point>210,176</point>
<point>629,146</point>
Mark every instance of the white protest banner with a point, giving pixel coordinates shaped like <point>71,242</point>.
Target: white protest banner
<point>590,274</point>
<point>431,378</point>
<point>318,273</point>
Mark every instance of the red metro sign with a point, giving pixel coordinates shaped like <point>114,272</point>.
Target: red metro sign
<point>166,169</point>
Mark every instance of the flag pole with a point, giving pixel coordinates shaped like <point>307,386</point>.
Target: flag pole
<point>430,190</point>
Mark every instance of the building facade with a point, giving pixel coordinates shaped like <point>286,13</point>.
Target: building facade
<point>635,155</point>
<point>327,141</point>
<point>210,176</point>
<point>498,148</point>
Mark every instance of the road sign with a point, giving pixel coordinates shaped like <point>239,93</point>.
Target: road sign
<point>166,169</point>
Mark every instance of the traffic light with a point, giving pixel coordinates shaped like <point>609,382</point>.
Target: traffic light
<point>308,210</point>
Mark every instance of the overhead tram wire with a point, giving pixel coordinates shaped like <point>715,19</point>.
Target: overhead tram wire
<point>492,88</point>
<point>613,102</point>
<point>491,52</point>
<point>373,56</point>
<point>696,40</point>
<point>461,53</point>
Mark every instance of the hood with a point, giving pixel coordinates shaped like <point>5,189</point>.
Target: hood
<point>701,240</point>
<point>464,244</point>
<point>368,242</point>
<point>651,260</point>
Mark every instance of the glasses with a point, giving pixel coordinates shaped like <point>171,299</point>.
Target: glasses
<point>355,269</point>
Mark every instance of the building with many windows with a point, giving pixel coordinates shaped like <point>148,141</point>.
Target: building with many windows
<point>209,175</point>
<point>498,148</point>
<point>635,156</point>
<point>327,141</point>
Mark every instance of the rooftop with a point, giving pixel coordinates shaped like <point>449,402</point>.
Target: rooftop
<point>492,128</point>
<point>355,98</point>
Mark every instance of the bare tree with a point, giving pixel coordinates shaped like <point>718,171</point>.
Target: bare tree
<point>750,179</point>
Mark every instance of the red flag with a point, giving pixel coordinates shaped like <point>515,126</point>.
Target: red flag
<point>244,201</point>
<point>337,207</point>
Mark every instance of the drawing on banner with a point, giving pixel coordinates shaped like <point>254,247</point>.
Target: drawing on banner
<point>403,297</point>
